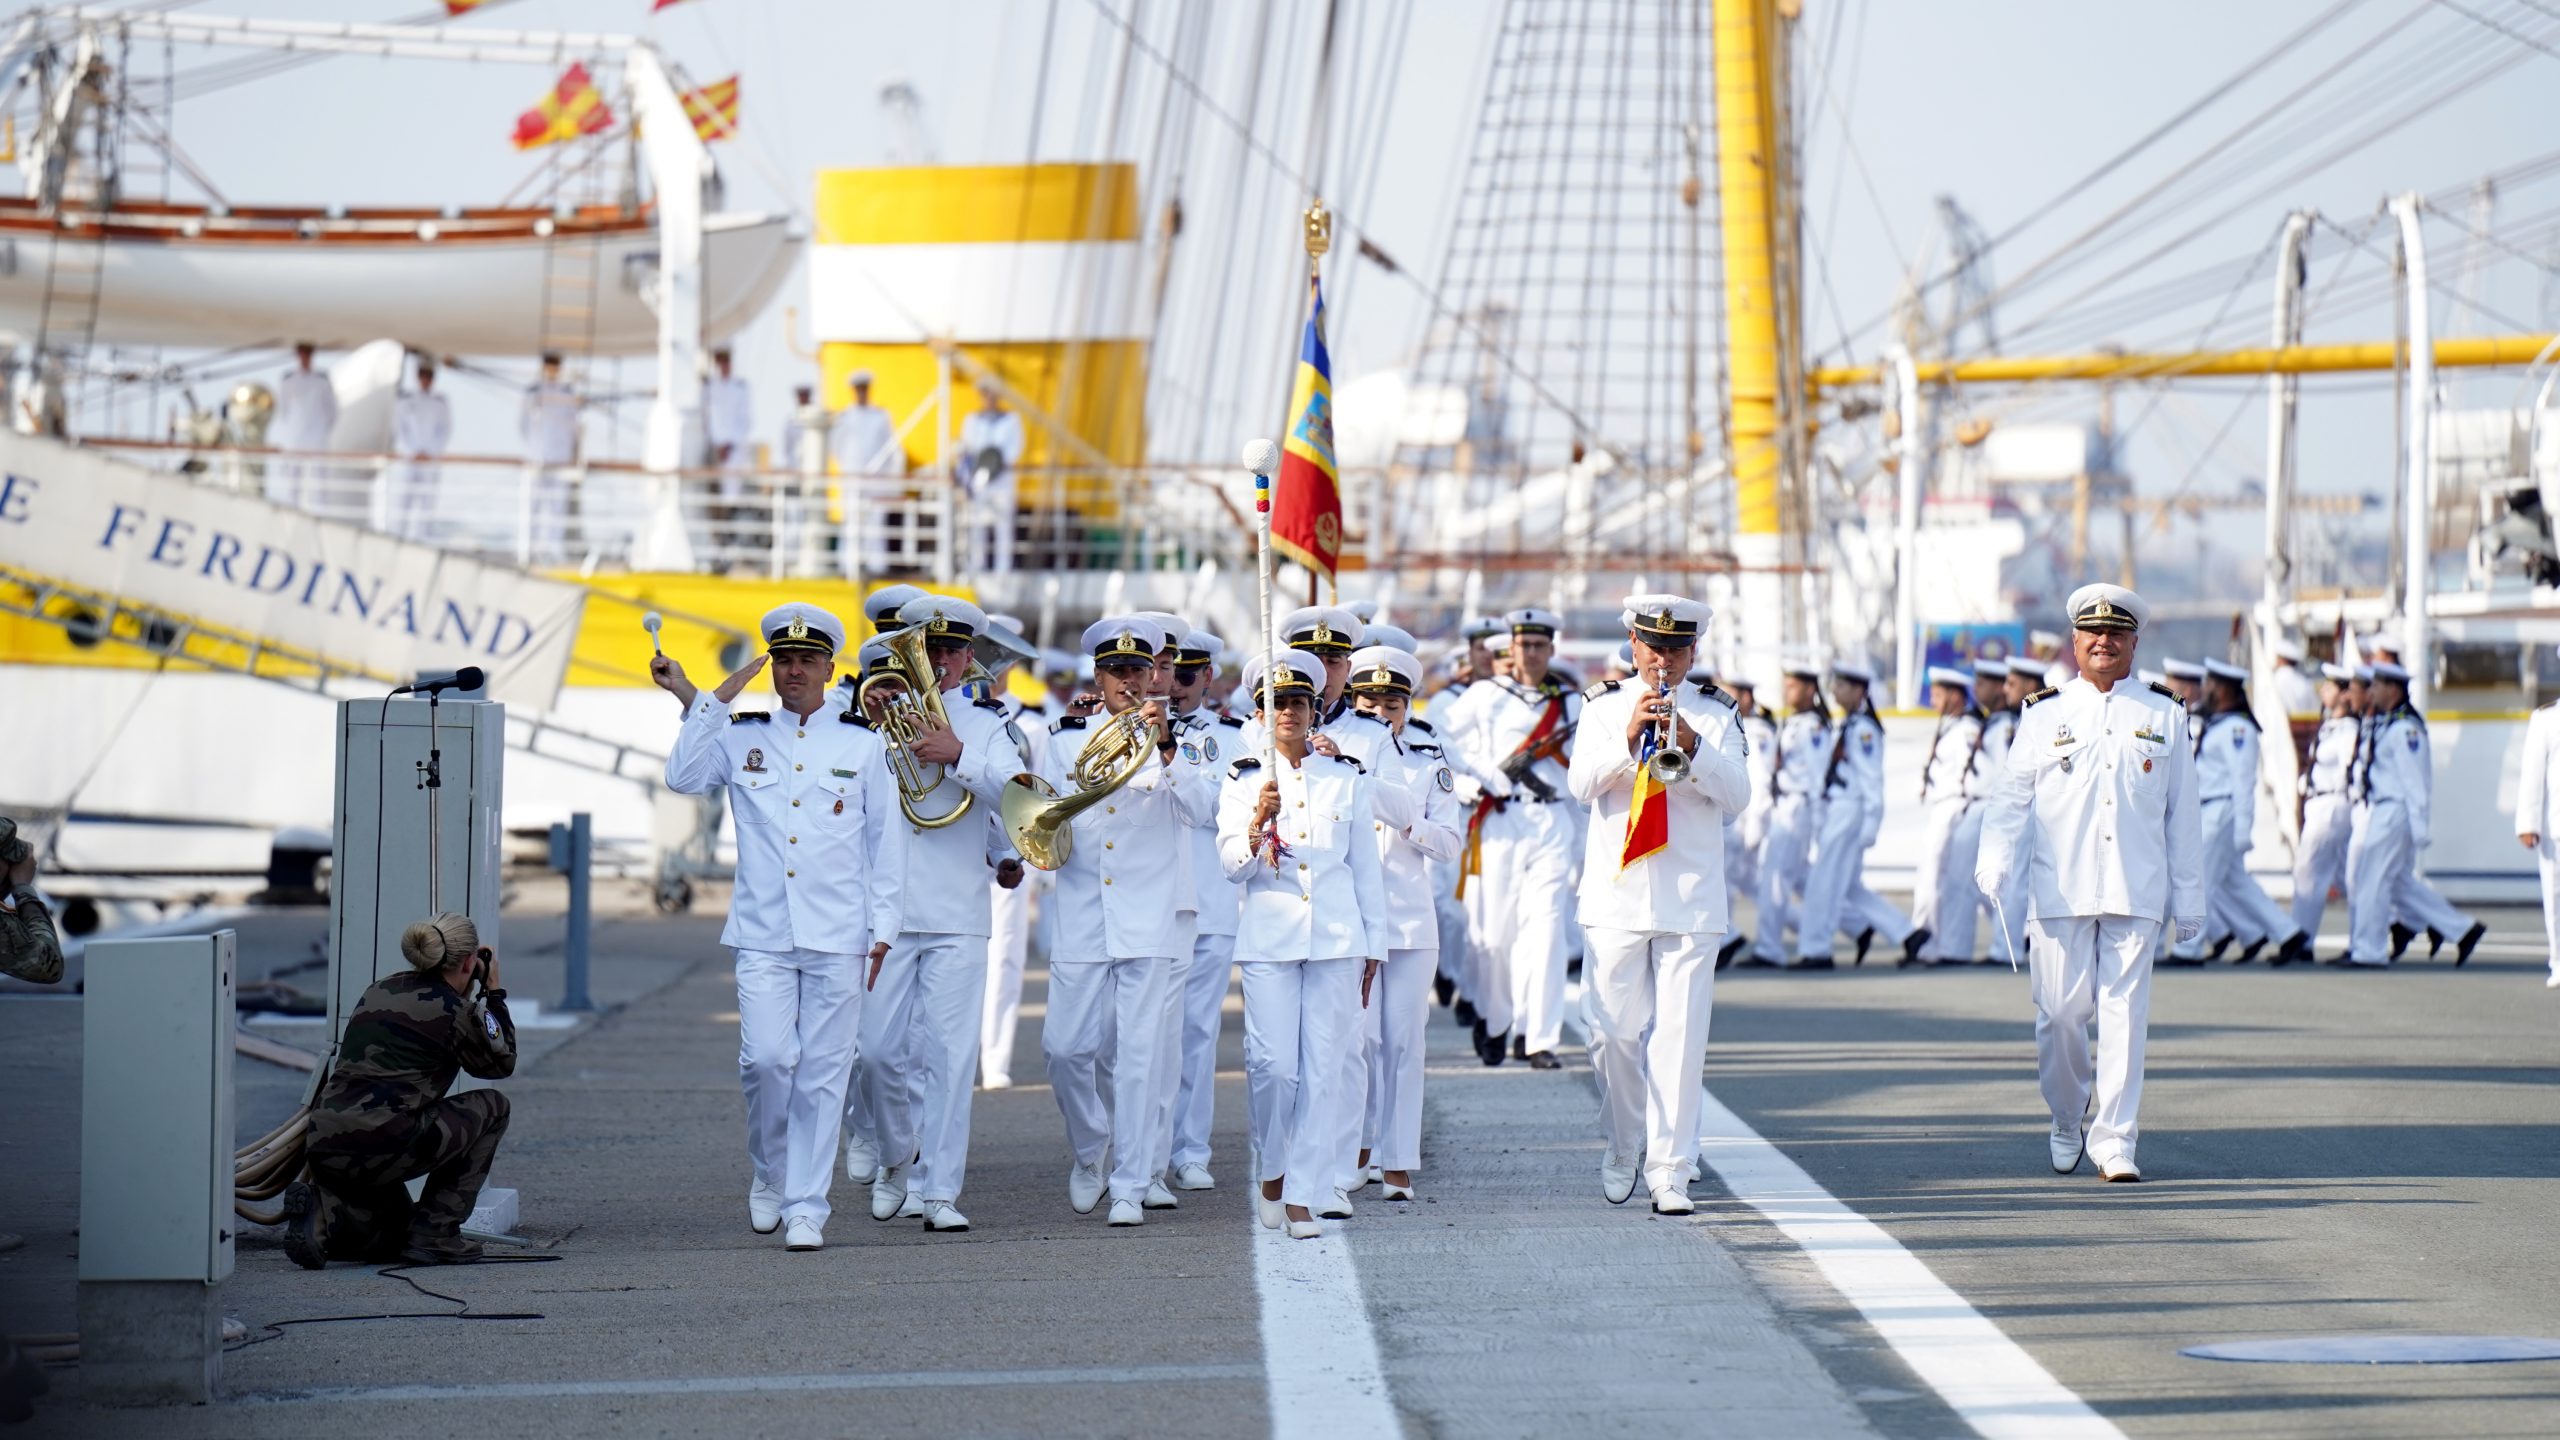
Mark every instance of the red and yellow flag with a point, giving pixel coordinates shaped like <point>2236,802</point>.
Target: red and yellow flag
<point>1648,813</point>
<point>713,109</point>
<point>462,7</point>
<point>573,108</point>
<point>1306,505</point>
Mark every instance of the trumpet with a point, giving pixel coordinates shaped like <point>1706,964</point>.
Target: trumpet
<point>1666,764</point>
<point>1035,815</point>
<point>912,691</point>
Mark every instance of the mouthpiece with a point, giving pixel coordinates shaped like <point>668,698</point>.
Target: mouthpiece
<point>1262,457</point>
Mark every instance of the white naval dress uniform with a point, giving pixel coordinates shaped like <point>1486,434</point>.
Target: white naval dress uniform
<point>2227,802</point>
<point>2099,807</point>
<point>821,869</point>
<point>1303,934</point>
<point>2538,813</point>
<point>1943,895</point>
<point>1212,969</point>
<point>1414,824</point>
<point>1125,909</point>
<point>549,424</point>
<point>1836,897</point>
<point>1652,926</point>
<point>1745,833</point>
<point>923,1020</point>
<point>1529,845</point>
<point>421,425</point>
<point>2393,784</point>
<point>1461,941</point>
<point>862,441</point>
<point>306,412</point>
<point>729,422</point>
<point>1009,927</point>
<point>1803,758</point>
<point>2320,860</point>
<point>1999,732</point>
<point>991,502</point>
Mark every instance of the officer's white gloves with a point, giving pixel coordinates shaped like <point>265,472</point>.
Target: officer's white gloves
<point>2189,927</point>
<point>1992,882</point>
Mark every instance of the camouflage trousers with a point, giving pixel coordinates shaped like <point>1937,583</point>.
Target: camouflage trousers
<point>364,1199</point>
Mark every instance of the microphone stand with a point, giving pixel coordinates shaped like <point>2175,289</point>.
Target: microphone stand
<point>431,780</point>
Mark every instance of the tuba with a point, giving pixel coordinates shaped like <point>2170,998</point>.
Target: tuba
<point>914,692</point>
<point>1035,816</point>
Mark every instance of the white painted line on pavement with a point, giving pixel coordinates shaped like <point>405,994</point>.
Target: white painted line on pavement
<point>1319,1354</point>
<point>1981,1374</point>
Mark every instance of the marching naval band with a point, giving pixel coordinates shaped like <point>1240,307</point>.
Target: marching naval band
<point>1354,839</point>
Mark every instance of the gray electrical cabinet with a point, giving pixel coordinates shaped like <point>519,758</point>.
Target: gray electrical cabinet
<point>384,857</point>
<point>155,1109</point>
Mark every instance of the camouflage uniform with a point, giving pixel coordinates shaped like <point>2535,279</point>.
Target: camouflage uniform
<point>29,949</point>
<point>384,1118</point>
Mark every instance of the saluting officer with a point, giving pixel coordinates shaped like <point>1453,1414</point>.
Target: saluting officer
<point>923,1018</point>
<point>1943,899</point>
<point>821,864</point>
<point>1301,845</point>
<point>1125,910</point>
<point>1652,899</point>
<point>2099,808</point>
<point>1796,784</point>
<point>1215,741</point>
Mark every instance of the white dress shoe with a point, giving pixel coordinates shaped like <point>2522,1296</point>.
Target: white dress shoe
<point>803,1234</point>
<point>997,1082</point>
<point>1159,1198</point>
<point>764,1207</point>
<point>1336,1207</point>
<point>1271,1213</point>
<point>1127,1212</point>
<point>911,1208</point>
<point>1396,1192</point>
<point>2069,1144</point>
<point>1673,1199</point>
<point>1194,1177</point>
<point>1371,1176</point>
<point>1306,1229</point>
<point>889,1192</point>
<point>861,1162</point>
<point>1617,1181</point>
<point>2553,983</point>
<point>2121,1168</point>
<point>943,1215</point>
<point>1084,1188</point>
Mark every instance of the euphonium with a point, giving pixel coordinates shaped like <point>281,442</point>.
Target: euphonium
<point>916,693</point>
<point>1667,764</point>
<point>1035,816</point>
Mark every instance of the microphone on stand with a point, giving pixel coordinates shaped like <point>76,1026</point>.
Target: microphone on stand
<point>469,677</point>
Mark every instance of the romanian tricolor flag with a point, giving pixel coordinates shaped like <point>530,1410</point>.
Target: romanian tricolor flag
<point>573,108</point>
<point>1306,506</point>
<point>1648,814</point>
<point>713,109</point>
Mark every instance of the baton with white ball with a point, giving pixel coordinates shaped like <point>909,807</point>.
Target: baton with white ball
<point>650,622</point>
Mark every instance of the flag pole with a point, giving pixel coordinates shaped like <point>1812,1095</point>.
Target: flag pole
<point>1263,457</point>
<point>1319,237</point>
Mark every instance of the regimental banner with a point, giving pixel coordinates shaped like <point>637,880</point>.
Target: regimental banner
<point>1306,505</point>
<point>334,592</point>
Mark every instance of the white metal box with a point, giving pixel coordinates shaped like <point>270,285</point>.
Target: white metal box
<point>155,1109</point>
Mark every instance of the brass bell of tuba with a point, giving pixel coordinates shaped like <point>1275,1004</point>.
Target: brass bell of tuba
<point>913,692</point>
<point>1035,816</point>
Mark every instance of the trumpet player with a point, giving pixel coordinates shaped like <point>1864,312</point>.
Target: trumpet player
<point>1125,909</point>
<point>922,1016</point>
<point>1299,842</point>
<point>1662,764</point>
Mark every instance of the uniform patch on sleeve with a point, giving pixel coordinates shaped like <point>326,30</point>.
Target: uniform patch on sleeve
<point>489,1022</point>
<point>1599,688</point>
<point>1444,779</point>
<point>2046,693</point>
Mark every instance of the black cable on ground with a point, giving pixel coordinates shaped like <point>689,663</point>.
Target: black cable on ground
<point>275,1328</point>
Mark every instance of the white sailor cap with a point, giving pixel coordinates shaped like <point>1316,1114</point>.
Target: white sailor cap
<point>1385,670</point>
<point>1123,640</point>
<point>1738,682</point>
<point>943,617</point>
<point>2059,674</point>
<point>858,377</point>
<point>2364,675</point>
<point>2380,642</point>
<point>1395,636</point>
<point>1854,667</point>
<point>1990,669</point>
<point>1666,620</point>
<point>1173,626</point>
<point>801,627</point>
<point>2225,670</point>
<point>2182,669</point>
<point>1198,647</point>
<point>1480,628</point>
<point>2336,673</point>
<point>881,607</point>
<point>1950,675</point>
<point>1805,669</point>
<point>2384,670</point>
<point>2044,637</point>
<point>873,655</point>
<point>1324,629</point>
<point>1296,673</point>
<point>1530,620</point>
<point>1626,654</point>
<point>2151,677</point>
<point>2291,649</point>
<point>2107,607</point>
<point>1498,643</point>
<point>1363,611</point>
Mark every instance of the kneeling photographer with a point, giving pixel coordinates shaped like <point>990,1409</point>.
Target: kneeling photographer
<point>383,1118</point>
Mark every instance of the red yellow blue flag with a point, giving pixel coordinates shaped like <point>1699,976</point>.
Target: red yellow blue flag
<point>1306,508</point>
<point>1648,813</point>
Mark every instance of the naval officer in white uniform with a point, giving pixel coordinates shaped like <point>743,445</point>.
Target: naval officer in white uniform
<point>821,864</point>
<point>1213,739</point>
<point>2320,858</point>
<point>1943,899</point>
<point>2538,821</point>
<point>1796,782</point>
<point>2099,807</point>
<point>1652,914</point>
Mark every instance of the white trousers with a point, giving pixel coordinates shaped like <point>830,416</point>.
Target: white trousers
<point>1096,1005</point>
<point>1652,995</point>
<point>1836,897</point>
<point>1528,889</point>
<point>2423,907</point>
<point>2378,864</point>
<point>920,1057</point>
<point>2237,899</point>
<point>1164,1078</point>
<point>1399,1008</point>
<point>1204,1003</point>
<point>411,505</point>
<point>1451,913</point>
<point>2547,855</point>
<point>1783,852</point>
<point>1008,944</point>
<point>542,517</point>
<point>1741,860</point>
<point>2320,859</point>
<point>1299,1018</point>
<point>2084,969</point>
<point>799,1015</point>
<point>1943,895</point>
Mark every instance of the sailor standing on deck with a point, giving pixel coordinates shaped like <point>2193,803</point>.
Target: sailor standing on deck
<point>1652,900</point>
<point>1836,896</point>
<point>549,425</point>
<point>1944,899</point>
<point>421,428</point>
<point>1125,910</point>
<point>1308,940</point>
<point>306,412</point>
<point>821,863</point>
<point>2538,821</point>
<point>728,428</point>
<point>2320,860</point>
<point>2099,808</point>
<point>1796,781</point>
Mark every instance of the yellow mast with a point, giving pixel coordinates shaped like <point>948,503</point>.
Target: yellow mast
<point>2475,350</point>
<point>1747,134</point>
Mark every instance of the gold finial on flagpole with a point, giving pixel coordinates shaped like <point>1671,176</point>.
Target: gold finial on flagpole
<point>1319,230</point>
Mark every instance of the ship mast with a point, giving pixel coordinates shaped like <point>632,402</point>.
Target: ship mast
<point>1764,355</point>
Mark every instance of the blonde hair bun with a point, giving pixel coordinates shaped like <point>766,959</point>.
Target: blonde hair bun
<point>434,944</point>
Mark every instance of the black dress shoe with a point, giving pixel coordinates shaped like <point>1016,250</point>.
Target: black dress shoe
<point>2435,941</point>
<point>2401,935</point>
<point>2218,947</point>
<point>1519,1047</point>
<point>1911,945</point>
<point>1733,946</point>
<point>1813,962</point>
<point>2182,962</point>
<point>1573,968</point>
<point>1545,1060</point>
<point>2298,947</point>
<point>2470,940</point>
<point>1866,938</point>
<point>1442,988</point>
<point>1464,1012</point>
<point>2252,952</point>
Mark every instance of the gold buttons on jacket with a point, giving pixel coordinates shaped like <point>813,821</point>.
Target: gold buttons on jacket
<point>1110,809</point>
<point>1108,845</point>
<point>795,839</point>
<point>795,765</point>
<point>795,804</point>
<point>1106,879</point>
<point>788,874</point>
